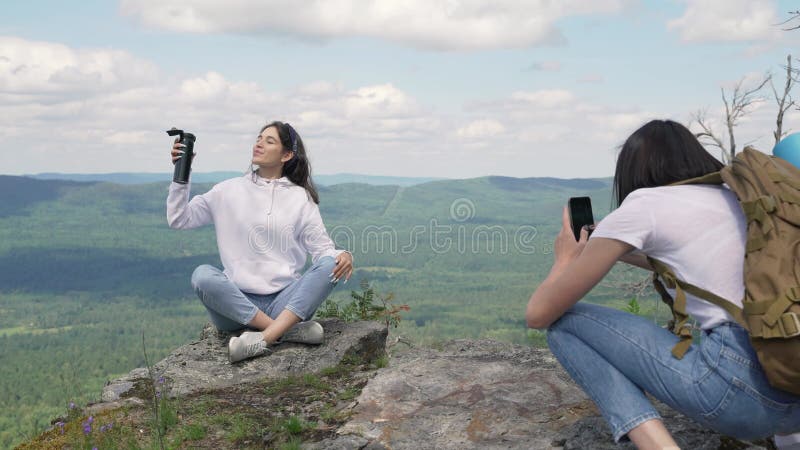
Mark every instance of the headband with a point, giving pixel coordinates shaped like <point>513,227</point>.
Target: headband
<point>293,135</point>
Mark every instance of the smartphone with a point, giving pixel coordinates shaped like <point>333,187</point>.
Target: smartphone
<point>580,214</point>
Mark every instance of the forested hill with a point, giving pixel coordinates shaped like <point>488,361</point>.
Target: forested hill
<point>87,267</point>
<point>16,193</point>
<point>215,177</point>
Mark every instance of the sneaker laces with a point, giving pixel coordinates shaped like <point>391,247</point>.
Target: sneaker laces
<point>253,349</point>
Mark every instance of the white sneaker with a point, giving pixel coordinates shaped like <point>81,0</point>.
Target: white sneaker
<point>247,345</point>
<point>788,442</point>
<point>309,332</point>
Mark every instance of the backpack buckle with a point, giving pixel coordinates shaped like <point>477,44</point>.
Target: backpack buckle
<point>768,203</point>
<point>789,324</point>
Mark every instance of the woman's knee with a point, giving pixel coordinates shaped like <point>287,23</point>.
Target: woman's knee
<point>201,274</point>
<point>553,335</point>
<point>326,263</point>
<point>559,329</point>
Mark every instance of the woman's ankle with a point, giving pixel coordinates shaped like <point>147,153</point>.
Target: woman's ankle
<point>652,434</point>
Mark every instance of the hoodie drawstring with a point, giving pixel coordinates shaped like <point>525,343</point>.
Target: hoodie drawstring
<point>272,200</point>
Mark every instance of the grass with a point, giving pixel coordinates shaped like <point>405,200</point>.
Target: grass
<point>328,414</point>
<point>191,432</point>
<point>11,331</point>
<point>308,380</point>
<point>335,371</point>
<point>381,362</point>
<point>387,269</point>
<point>349,394</point>
<point>295,425</point>
<point>242,427</point>
<point>278,413</point>
<point>291,444</point>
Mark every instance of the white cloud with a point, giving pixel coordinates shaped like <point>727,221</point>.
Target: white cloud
<point>553,132</point>
<point>429,24</point>
<point>127,137</point>
<point>377,128</point>
<point>118,124</point>
<point>42,68</point>
<point>483,128</point>
<point>379,101</point>
<point>727,20</point>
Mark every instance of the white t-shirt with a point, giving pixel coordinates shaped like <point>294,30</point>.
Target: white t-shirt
<point>697,230</point>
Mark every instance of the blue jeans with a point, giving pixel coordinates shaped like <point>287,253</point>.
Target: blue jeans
<point>616,357</point>
<point>231,309</point>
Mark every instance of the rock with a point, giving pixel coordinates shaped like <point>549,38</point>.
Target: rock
<point>465,395</point>
<point>470,394</point>
<point>116,389</point>
<point>203,364</point>
<point>490,395</point>
<point>592,432</point>
<point>96,408</point>
<point>348,442</point>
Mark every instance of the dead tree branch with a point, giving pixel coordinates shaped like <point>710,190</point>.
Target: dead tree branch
<point>784,101</point>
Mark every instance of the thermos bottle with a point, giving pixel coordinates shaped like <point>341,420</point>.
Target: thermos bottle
<point>183,165</point>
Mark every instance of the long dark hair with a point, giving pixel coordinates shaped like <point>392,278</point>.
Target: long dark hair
<point>659,153</point>
<point>297,169</point>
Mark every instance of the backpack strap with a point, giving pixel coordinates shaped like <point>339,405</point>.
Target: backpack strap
<point>777,177</point>
<point>680,317</point>
<point>709,178</point>
<point>771,318</point>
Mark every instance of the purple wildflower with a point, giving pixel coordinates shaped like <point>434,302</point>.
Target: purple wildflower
<point>158,394</point>
<point>71,405</point>
<point>160,380</point>
<point>87,426</point>
<point>103,429</point>
<point>60,426</point>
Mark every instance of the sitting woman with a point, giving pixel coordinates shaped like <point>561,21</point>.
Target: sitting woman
<point>267,223</point>
<point>617,357</point>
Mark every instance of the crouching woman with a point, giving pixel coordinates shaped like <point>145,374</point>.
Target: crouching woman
<point>618,357</point>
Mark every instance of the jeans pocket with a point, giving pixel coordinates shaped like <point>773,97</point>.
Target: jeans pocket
<point>745,413</point>
<point>762,399</point>
<point>714,396</point>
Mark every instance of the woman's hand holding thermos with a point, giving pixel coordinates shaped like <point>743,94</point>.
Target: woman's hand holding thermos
<point>178,149</point>
<point>182,155</point>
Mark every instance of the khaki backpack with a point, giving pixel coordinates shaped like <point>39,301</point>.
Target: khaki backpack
<point>768,189</point>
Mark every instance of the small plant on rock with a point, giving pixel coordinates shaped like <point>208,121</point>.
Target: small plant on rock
<point>364,307</point>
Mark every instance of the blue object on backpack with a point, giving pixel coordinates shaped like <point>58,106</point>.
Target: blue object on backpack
<point>789,149</point>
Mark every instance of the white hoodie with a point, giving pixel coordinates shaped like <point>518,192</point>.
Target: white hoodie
<point>265,230</point>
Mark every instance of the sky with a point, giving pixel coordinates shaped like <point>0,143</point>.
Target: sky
<point>418,88</point>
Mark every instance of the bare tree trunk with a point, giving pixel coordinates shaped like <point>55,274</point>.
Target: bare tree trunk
<point>736,107</point>
<point>785,101</point>
<point>740,101</point>
<point>707,136</point>
<point>730,120</point>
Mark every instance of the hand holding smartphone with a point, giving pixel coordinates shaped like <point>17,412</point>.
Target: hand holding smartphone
<point>580,214</point>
